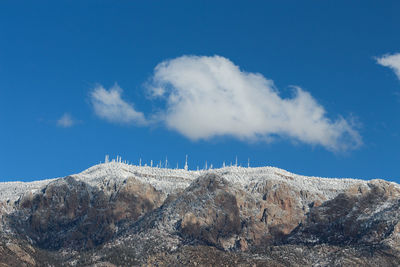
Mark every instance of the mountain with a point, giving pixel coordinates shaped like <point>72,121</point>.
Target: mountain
<point>115,214</point>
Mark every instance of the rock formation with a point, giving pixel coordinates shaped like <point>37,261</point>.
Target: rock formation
<point>116,214</point>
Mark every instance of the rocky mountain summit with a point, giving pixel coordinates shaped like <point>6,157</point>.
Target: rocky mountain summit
<point>115,214</point>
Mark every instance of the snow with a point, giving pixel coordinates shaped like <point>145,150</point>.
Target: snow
<point>11,191</point>
<point>169,180</point>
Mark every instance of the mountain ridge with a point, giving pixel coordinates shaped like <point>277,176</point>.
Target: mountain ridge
<point>115,213</point>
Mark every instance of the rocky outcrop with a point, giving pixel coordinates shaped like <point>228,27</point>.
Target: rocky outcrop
<point>363,215</point>
<point>70,213</point>
<point>216,217</point>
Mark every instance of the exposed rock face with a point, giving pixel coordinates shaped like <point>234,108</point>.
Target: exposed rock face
<point>118,217</point>
<point>366,216</point>
<point>70,213</point>
<point>216,219</point>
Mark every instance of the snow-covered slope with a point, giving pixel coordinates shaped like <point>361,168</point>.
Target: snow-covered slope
<point>169,180</point>
<point>11,191</point>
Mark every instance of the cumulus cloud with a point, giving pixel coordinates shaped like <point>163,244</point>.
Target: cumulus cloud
<point>391,61</point>
<point>109,105</point>
<point>66,121</point>
<point>211,96</point>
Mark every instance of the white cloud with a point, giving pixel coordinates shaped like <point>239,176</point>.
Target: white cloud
<point>66,121</point>
<point>210,96</point>
<point>391,61</point>
<point>109,105</point>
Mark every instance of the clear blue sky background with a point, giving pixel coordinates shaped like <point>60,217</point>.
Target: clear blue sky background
<point>52,53</point>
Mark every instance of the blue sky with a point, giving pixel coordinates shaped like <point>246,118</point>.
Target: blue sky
<point>300,85</point>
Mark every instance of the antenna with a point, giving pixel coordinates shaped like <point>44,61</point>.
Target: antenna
<point>186,163</point>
